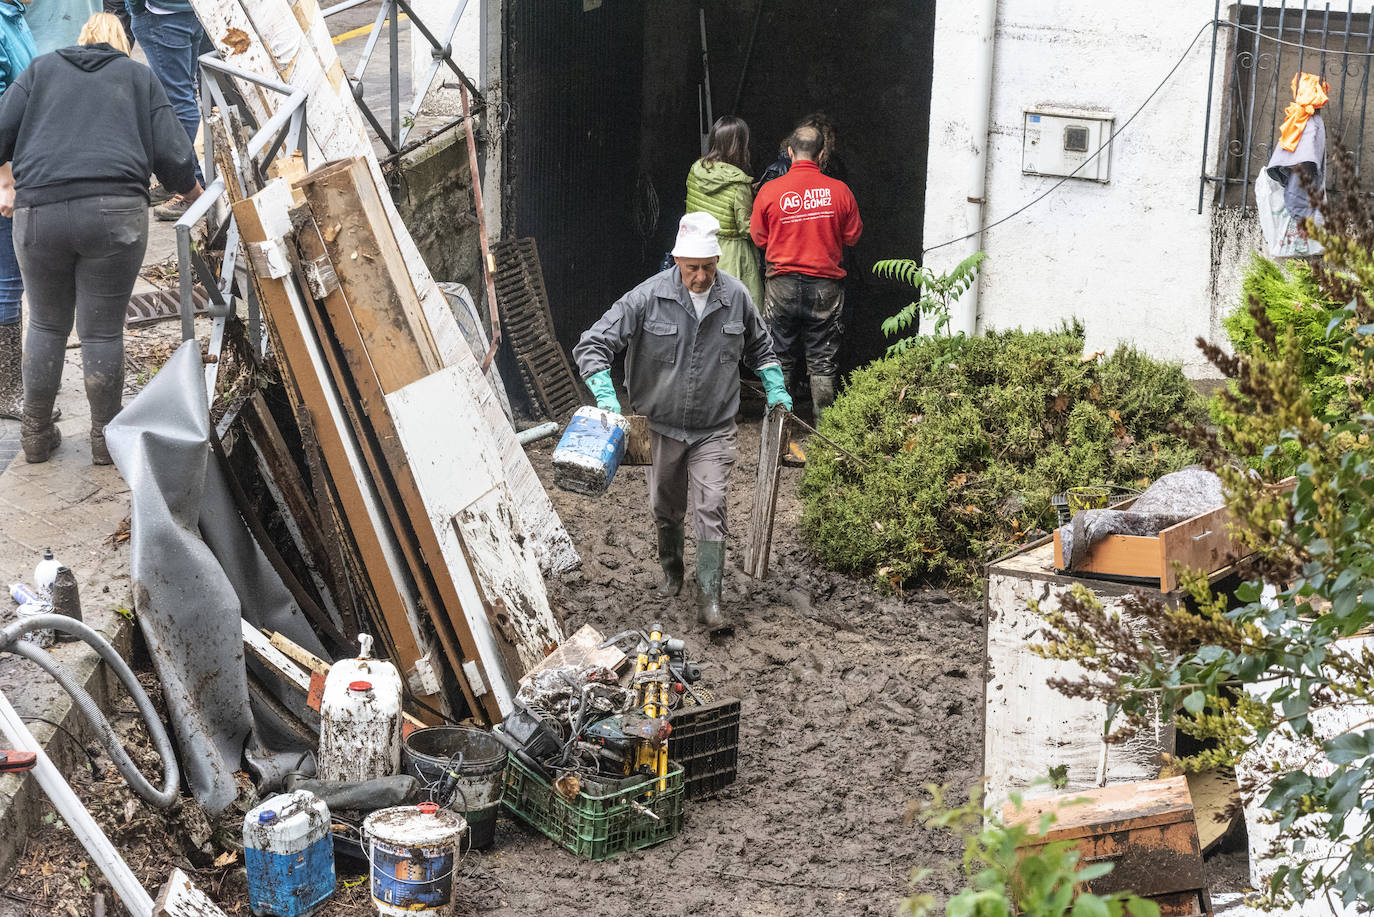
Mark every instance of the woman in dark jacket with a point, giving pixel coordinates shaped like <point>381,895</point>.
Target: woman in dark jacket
<point>84,127</point>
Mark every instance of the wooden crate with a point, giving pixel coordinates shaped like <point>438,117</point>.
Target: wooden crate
<point>1199,543</point>
<point>1146,830</point>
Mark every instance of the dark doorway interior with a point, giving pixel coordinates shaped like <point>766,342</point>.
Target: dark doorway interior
<point>604,126</point>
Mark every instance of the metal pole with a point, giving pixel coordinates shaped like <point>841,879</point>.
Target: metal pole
<point>1250,112</point>
<point>1302,35</point>
<point>488,262</point>
<point>186,282</point>
<point>1345,66</point>
<point>1207,118</point>
<point>1364,86</point>
<point>1278,76</point>
<point>126,885</point>
<point>394,39</point>
<point>706,82</point>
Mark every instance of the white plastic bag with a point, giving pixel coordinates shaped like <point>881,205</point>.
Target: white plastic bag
<point>1282,238</point>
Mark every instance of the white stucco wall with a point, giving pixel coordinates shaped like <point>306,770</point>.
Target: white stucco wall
<point>1133,259</point>
<point>436,15</point>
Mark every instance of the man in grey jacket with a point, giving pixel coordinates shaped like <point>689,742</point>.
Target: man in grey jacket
<point>685,331</point>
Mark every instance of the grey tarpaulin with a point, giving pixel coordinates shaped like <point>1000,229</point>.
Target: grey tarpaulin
<point>196,571</point>
<point>1168,501</point>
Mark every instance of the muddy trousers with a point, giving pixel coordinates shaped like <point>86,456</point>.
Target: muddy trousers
<point>80,259</point>
<point>698,474</point>
<point>809,311</point>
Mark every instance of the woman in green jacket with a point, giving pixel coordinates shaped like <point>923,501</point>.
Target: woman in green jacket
<point>719,184</point>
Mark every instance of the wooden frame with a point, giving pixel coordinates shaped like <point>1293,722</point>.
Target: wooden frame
<point>1200,543</point>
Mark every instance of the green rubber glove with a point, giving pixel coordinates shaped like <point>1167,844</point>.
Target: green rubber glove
<point>773,386</point>
<point>604,391</point>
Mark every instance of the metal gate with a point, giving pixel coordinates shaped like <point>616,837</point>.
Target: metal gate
<point>1259,50</point>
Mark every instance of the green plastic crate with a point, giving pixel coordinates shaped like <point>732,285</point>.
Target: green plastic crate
<point>597,826</point>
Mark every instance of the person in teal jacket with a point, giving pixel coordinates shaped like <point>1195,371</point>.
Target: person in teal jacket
<point>16,51</point>
<point>719,184</point>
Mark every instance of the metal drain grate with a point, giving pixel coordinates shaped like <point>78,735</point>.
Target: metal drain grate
<point>163,304</point>
<point>527,323</point>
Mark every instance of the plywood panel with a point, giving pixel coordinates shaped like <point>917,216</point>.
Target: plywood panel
<point>257,217</point>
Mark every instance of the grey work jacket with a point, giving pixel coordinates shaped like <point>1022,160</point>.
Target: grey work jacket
<point>683,374</point>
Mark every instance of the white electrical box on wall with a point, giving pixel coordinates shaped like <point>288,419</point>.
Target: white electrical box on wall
<point>1057,142</point>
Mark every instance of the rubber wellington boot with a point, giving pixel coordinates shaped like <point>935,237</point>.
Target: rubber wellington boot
<point>670,539</point>
<point>822,395</point>
<point>711,575</point>
<point>40,438</point>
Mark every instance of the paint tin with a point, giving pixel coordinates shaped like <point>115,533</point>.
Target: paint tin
<point>590,451</point>
<point>413,852</point>
<point>288,853</point>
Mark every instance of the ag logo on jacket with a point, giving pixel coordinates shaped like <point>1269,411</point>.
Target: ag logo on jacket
<point>790,202</point>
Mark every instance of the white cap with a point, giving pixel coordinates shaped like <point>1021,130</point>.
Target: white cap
<point>696,237</point>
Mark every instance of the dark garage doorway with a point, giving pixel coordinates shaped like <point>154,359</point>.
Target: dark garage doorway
<point>603,126</point>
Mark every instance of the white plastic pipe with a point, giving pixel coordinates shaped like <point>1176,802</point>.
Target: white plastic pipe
<point>122,878</point>
<point>979,93</point>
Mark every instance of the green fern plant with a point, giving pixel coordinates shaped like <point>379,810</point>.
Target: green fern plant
<point>939,293</point>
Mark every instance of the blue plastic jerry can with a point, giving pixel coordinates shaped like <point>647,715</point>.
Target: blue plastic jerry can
<point>288,851</point>
<point>590,451</point>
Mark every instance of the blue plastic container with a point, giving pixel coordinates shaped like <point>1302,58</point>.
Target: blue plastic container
<point>289,854</point>
<point>590,451</point>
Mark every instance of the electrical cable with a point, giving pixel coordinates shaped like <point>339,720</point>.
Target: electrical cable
<point>1116,133</point>
<point>90,755</point>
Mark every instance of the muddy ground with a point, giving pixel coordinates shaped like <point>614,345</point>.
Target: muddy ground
<point>851,702</point>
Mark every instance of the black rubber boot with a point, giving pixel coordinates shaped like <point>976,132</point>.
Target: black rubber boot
<point>670,539</point>
<point>11,373</point>
<point>822,394</point>
<point>711,576</point>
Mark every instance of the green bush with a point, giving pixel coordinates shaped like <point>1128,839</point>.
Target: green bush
<point>1293,301</point>
<point>961,443</point>
<point>1299,331</point>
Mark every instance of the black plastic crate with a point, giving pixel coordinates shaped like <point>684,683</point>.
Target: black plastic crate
<point>705,741</point>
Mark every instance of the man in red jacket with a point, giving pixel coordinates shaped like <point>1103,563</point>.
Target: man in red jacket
<point>801,222</point>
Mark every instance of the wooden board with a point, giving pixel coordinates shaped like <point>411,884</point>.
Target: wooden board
<point>353,366</point>
<point>287,489</point>
<point>772,442</point>
<point>301,351</point>
<point>1145,830</point>
<point>303,56</point>
<point>371,273</point>
<point>1109,808</point>
<point>1213,792</point>
<point>453,474</point>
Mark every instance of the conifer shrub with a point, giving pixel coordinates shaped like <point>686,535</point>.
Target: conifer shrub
<point>958,444</point>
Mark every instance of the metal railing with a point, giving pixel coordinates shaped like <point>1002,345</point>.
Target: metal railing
<point>285,129</point>
<point>441,54</point>
<point>1261,48</point>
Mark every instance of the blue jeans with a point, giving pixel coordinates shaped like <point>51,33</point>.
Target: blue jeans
<point>171,42</point>
<point>11,284</point>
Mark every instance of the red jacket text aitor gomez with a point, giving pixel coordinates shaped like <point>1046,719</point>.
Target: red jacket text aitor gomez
<point>803,220</point>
